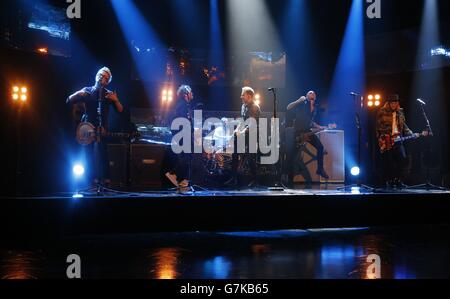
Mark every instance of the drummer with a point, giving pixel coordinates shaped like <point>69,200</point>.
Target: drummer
<point>222,135</point>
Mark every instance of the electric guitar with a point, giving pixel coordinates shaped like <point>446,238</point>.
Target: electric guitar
<point>303,137</point>
<point>87,134</point>
<point>387,142</point>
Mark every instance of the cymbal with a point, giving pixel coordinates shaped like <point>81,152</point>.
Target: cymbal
<point>212,138</point>
<point>233,122</point>
<point>227,122</point>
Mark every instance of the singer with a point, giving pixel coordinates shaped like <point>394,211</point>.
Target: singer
<point>92,102</point>
<point>304,112</point>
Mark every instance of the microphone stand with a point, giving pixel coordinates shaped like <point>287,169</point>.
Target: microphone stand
<point>98,142</point>
<point>427,185</point>
<point>277,184</point>
<point>358,113</point>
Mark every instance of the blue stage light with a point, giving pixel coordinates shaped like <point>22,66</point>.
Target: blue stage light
<point>78,170</point>
<point>77,195</point>
<point>355,171</point>
<point>350,75</point>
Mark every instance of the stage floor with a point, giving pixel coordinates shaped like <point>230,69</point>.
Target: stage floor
<point>261,209</point>
<point>298,193</point>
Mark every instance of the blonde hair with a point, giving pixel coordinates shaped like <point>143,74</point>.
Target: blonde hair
<point>183,90</point>
<point>248,90</point>
<point>106,70</point>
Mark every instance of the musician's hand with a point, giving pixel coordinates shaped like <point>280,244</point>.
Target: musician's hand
<point>112,96</point>
<point>239,132</point>
<point>425,134</point>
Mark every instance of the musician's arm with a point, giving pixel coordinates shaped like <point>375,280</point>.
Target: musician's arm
<point>296,103</point>
<point>115,99</point>
<point>407,131</point>
<point>119,106</point>
<point>77,96</point>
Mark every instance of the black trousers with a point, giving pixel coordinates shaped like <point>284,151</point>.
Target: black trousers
<point>247,159</point>
<point>97,158</point>
<point>177,164</point>
<point>317,144</point>
<point>393,163</point>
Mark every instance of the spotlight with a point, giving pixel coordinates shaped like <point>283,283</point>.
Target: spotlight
<point>370,103</point>
<point>167,93</point>
<point>164,95</point>
<point>78,170</point>
<point>19,93</point>
<point>355,171</point>
<point>377,103</point>
<point>42,50</point>
<point>377,97</point>
<point>370,97</point>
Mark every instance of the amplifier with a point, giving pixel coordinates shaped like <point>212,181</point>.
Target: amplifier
<point>117,156</point>
<point>146,166</point>
<point>334,160</point>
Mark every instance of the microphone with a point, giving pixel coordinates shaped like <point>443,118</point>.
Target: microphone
<point>271,89</point>
<point>354,94</point>
<point>421,102</point>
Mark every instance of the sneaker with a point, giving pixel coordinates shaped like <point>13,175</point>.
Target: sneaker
<point>172,178</point>
<point>184,184</point>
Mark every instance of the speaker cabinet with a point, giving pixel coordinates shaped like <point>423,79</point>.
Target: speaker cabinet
<point>117,156</point>
<point>334,160</point>
<point>145,166</point>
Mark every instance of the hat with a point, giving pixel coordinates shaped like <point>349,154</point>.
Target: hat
<point>393,98</point>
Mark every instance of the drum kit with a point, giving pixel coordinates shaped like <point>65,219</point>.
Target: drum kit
<point>219,147</point>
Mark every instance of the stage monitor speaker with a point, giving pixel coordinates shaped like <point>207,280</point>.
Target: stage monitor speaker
<point>117,155</point>
<point>145,166</point>
<point>334,160</point>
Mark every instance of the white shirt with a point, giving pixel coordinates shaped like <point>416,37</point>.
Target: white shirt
<point>394,124</point>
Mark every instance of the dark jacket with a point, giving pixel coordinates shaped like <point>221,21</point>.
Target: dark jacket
<point>384,122</point>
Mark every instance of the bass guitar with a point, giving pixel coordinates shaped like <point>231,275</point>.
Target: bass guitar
<point>387,142</point>
<point>87,134</point>
<point>303,137</point>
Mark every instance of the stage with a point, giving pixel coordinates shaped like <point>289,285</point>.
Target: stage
<point>117,213</point>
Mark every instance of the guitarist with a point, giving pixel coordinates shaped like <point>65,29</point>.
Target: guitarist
<point>391,123</point>
<point>91,100</point>
<point>304,111</point>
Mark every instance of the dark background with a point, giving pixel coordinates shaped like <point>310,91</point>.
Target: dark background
<point>47,145</point>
